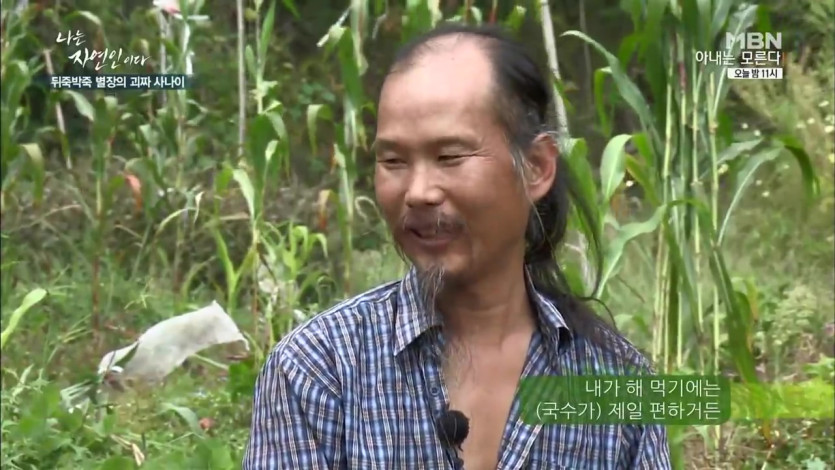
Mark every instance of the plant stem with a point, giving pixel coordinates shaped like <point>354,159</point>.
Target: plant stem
<point>586,57</point>
<point>553,64</point>
<point>714,173</point>
<point>241,79</point>
<point>662,257</point>
<point>165,33</point>
<point>697,242</point>
<point>681,235</point>
<point>59,114</point>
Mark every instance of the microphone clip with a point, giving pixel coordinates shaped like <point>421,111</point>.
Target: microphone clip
<point>453,427</point>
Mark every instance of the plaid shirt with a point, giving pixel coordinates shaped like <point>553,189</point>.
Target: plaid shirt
<point>358,387</point>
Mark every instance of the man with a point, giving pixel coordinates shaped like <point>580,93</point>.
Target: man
<point>471,188</point>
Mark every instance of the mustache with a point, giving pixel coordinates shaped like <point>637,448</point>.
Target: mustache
<point>434,220</point>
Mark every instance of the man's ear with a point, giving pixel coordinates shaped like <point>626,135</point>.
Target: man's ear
<point>542,166</point>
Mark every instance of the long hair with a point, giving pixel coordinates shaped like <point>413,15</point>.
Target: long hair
<point>522,102</point>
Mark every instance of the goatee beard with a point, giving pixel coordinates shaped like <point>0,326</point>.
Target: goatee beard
<point>431,284</point>
<point>455,358</point>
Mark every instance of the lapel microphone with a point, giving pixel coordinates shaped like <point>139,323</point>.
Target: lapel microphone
<point>453,427</point>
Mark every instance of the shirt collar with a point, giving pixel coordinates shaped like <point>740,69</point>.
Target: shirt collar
<point>411,319</point>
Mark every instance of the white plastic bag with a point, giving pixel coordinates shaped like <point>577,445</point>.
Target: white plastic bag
<point>167,344</point>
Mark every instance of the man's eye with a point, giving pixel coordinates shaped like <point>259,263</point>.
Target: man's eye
<point>449,158</point>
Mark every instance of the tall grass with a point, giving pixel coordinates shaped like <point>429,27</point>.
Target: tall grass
<point>679,155</point>
<point>692,172</point>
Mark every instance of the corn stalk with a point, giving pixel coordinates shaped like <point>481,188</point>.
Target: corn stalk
<point>681,152</point>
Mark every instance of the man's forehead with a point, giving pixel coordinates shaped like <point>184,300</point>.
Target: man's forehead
<point>444,91</point>
<point>448,63</point>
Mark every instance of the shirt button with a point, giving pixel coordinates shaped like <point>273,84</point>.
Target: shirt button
<point>435,391</point>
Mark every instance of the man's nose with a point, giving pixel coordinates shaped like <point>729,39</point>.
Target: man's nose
<point>424,188</point>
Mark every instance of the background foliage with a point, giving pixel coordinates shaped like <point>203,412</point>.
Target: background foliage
<point>253,187</point>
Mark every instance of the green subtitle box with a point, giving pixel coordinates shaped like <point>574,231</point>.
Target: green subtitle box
<point>813,399</point>
<point>603,399</point>
<point>668,400</point>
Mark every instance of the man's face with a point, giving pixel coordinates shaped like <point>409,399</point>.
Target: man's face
<point>444,175</point>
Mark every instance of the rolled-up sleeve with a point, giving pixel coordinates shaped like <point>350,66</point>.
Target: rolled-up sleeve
<point>297,420</point>
<point>653,451</point>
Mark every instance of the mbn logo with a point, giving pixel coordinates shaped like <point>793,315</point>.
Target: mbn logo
<point>754,41</point>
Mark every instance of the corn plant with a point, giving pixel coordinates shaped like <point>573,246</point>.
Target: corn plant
<point>30,300</point>
<point>285,275</point>
<point>103,115</point>
<point>17,160</point>
<point>701,313</point>
<point>265,160</point>
<point>346,44</point>
<point>178,105</point>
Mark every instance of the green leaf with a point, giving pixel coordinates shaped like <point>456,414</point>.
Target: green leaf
<point>648,178</point>
<point>478,18</point>
<point>580,169</point>
<point>641,174</point>
<point>628,90</point>
<point>228,267</point>
<point>242,178</point>
<point>420,16</point>
<point>115,183</point>
<point>651,29</point>
<point>187,415</point>
<point>559,90</point>
<point>117,462</point>
<point>260,133</point>
<point>743,180</point>
<point>241,380</point>
<point>332,39</point>
<point>359,25</point>
<point>290,5</point>
<point>32,298</point>
<point>171,218</point>
<point>515,18</point>
<point>740,21</point>
<point>600,99</point>
<point>732,152</point>
<point>703,24</point>
<point>266,34</point>
<point>81,104</point>
<point>315,112</point>
<point>322,241</point>
<point>350,68</point>
<point>573,273</point>
<point>738,310</point>
<point>720,17</point>
<point>626,233</point>
<point>36,166</point>
<point>223,178</point>
<point>213,454</point>
<point>807,169</point>
<point>612,166</point>
<point>628,45</point>
<point>249,59</point>
<point>86,15</point>
<point>279,158</point>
